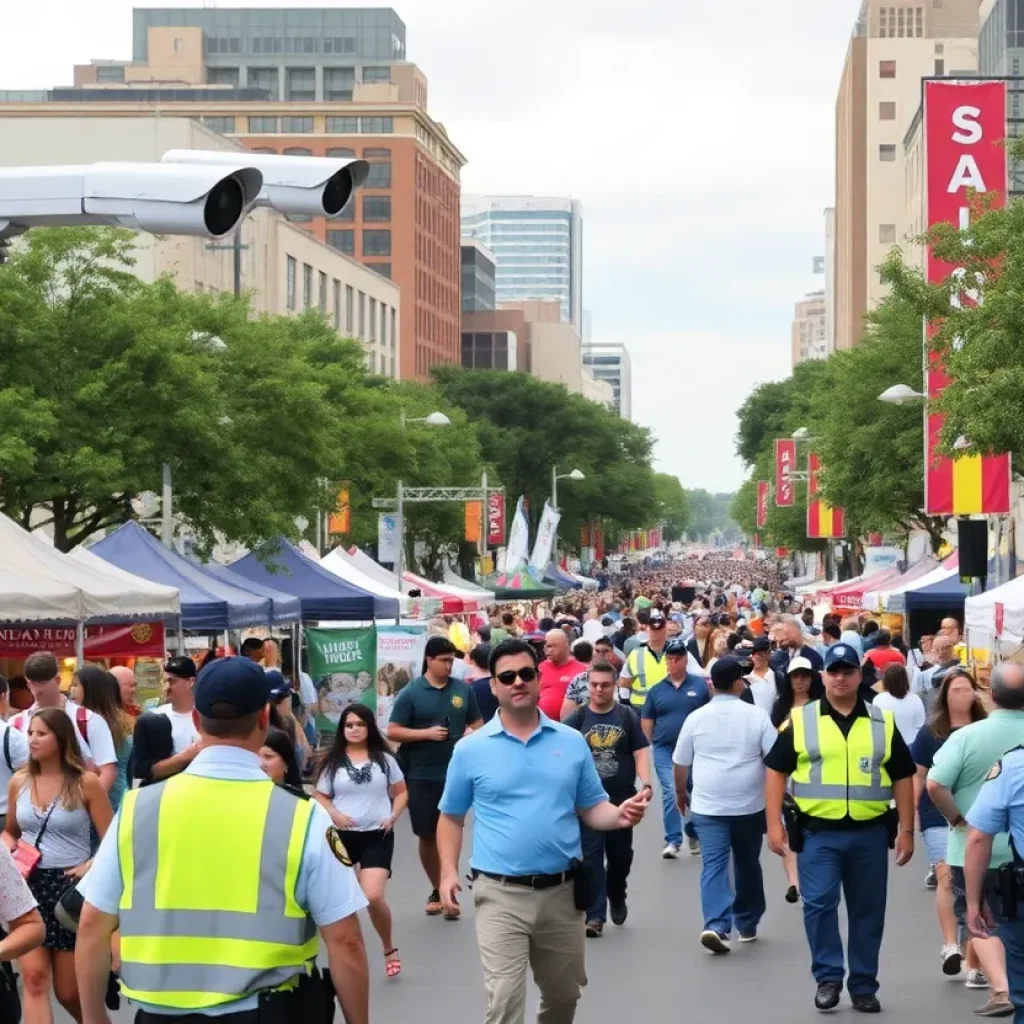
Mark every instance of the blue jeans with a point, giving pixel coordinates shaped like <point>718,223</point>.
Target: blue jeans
<point>856,862</point>
<point>737,837</point>
<point>615,847</point>
<point>670,815</point>
<point>1012,934</point>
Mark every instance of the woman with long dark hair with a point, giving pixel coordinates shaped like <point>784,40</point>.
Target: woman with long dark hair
<point>361,787</point>
<point>282,715</point>
<point>277,757</point>
<point>97,689</point>
<point>907,707</point>
<point>53,806</point>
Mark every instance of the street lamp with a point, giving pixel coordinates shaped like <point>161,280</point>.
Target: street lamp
<point>556,476</point>
<point>900,394</point>
<point>801,434</point>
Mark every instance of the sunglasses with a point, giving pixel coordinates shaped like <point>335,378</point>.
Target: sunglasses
<point>508,678</point>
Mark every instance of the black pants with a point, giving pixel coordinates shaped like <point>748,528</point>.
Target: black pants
<point>616,850</point>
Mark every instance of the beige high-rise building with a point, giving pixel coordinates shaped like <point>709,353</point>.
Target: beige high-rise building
<point>893,47</point>
<point>809,337</point>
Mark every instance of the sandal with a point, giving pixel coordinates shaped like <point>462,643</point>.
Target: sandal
<point>393,968</point>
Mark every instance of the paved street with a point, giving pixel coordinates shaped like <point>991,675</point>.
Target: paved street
<point>655,958</point>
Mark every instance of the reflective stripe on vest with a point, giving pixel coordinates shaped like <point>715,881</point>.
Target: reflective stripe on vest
<point>640,689</point>
<point>834,800</point>
<point>208,912</point>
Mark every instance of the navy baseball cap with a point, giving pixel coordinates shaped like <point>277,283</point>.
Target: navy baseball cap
<point>842,654</point>
<point>677,645</point>
<point>761,644</point>
<point>279,686</point>
<point>232,688</point>
<point>726,671</point>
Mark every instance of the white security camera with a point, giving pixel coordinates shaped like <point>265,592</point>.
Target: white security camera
<point>179,199</point>
<point>316,186</point>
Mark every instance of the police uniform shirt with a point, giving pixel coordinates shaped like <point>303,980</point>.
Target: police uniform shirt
<point>999,806</point>
<point>326,888</point>
<point>783,758</point>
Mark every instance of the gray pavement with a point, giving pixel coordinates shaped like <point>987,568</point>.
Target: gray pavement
<point>653,969</point>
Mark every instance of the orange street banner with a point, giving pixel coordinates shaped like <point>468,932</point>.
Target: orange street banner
<point>823,520</point>
<point>474,521</point>
<point>339,522</point>
<point>964,134</point>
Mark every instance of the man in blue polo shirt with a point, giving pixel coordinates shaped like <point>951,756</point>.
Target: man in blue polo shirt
<point>529,782</point>
<point>668,705</point>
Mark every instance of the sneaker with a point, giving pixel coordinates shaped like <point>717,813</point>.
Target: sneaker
<point>717,942</point>
<point>595,929</point>
<point>998,1005</point>
<point>453,915</point>
<point>433,907</point>
<point>750,936</point>
<point>694,845</point>
<point>671,852</point>
<point>792,894</point>
<point>827,996</point>
<point>619,912</point>
<point>866,1003</point>
<point>952,958</point>
<point>931,880</point>
<point>975,979</point>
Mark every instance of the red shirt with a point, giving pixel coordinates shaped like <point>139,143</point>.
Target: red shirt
<point>883,657</point>
<point>554,681</point>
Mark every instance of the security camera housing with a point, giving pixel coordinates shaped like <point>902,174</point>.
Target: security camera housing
<point>180,199</point>
<point>312,185</point>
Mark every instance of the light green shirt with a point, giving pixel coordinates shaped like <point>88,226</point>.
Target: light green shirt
<point>961,765</point>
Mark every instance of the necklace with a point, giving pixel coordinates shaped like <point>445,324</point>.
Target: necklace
<point>361,775</point>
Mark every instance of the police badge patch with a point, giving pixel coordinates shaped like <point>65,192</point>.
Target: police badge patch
<point>334,841</point>
<point>994,771</point>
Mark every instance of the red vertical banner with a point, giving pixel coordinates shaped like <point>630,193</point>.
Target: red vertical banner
<point>785,466</point>
<point>757,542</point>
<point>964,137</point>
<point>823,520</point>
<point>585,535</point>
<point>495,519</point>
<point>598,535</point>
<point>762,504</point>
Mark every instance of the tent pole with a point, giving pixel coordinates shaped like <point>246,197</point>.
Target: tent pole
<point>180,645</point>
<point>79,644</point>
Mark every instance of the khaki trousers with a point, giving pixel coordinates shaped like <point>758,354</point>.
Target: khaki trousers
<point>518,927</point>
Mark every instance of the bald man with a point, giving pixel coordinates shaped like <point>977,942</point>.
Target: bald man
<point>556,672</point>
<point>126,683</point>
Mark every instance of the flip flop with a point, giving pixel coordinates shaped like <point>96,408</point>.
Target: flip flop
<point>393,968</point>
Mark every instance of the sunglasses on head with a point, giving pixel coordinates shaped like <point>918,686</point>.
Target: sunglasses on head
<point>508,678</point>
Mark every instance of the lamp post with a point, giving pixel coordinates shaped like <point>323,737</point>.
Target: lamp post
<point>900,394</point>
<point>556,476</point>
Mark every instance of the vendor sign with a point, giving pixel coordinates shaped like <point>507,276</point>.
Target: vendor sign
<point>131,640</point>
<point>343,663</point>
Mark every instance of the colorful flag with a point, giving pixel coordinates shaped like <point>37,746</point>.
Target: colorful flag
<point>785,466</point>
<point>495,519</point>
<point>823,520</point>
<point>518,552</point>
<point>340,521</point>
<point>544,542</point>
<point>762,504</point>
<point>474,521</point>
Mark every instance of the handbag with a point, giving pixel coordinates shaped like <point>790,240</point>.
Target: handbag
<point>10,1001</point>
<point>28,855</point>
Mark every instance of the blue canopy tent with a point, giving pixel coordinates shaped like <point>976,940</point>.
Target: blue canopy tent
<point>941,594</point>
<point>208,605</point>
<point>284,608</point>
<point>322,595</point>
<point>561,579</point>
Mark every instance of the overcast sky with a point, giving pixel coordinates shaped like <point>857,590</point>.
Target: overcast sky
<point>698,136</point>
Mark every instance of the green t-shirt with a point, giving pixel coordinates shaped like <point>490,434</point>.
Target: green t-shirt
<point>419,706</point>
<point>961,765</point>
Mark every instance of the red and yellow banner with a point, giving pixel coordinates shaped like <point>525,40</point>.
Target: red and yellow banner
<point>785,466</point>
<point>762,504</point>
<point>964,135</point>
<point>823,520</point>
<point>339,522</point>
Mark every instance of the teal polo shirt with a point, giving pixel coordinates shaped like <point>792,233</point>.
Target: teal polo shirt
<point>524,796</point>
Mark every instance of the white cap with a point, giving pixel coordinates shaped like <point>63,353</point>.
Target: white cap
<point>799,663</point>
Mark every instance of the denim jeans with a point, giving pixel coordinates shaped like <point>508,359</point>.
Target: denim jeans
<point>736,838</point>
<point>671,817</point>
<point>1012,934</point>
<point>615,849</point>
<point>856,863</point>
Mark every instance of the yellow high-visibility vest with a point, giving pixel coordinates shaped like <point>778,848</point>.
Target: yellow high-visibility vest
<point>646,670</point>
<point>838,775</point>
<point>208,912</point>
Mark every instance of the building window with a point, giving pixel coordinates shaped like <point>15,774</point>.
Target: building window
<point>336,291</point>
<point>377,125</point>
<point>300,85</point>
<point>222,76</point>
<point>266,44</point>
<point>297,126</point>
<point>940,67</point>
<point>300,44</point>
<point>377,208</point>
<point>343,125</point>
<point>322,281</point>
<point>394,321</point>
<point>341,153</point>
<point>263,149</point>
<point>290,282</point>
<point>343,240</point>
<point>380,168</point>
<point>307,286</point>
<point>372,314</point>
<point>265,78</point>
<point>887,69</point>
<point>263,126</point>
<point>339,44</point>
<point>224,125</point>
<point>377,74</point>
<point>362,317</point>
<point>887,234</point>
<point>887,154</point>
<point>376,243</point>
<point>383,325</point>
<point>297,150</point>
<point>298,218</point>
<point>338,84</point>
<point>350,302</point>
<point>384,269</point>
<point>886,111</point>
<point>110,73</point>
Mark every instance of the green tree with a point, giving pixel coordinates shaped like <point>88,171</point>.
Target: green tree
<point>674,506</point>
<point>711,514</point>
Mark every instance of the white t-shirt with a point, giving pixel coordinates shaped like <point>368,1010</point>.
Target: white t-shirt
<point>763,690</point>
<point>97,745</point>
<point>183,730</point>
<point>368,804</point>
<point>908,711</point>
<point>16,899</point>
<point>13,744</point>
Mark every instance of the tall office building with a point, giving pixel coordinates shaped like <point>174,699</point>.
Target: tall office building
<point>537,245</point>
<point>307,82</point>
<point>477,277</point>
<point>830,280</point>
<point>808,335</point>
<point>1001,55</point>
<point>611,363</point>
<point>892,48</point>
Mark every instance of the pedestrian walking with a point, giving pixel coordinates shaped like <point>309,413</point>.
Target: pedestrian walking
<point>529,782</point>
<point>97,690</point>
<point>646,663</point>
<point>223,921</point>
<point>620,751</point>
<point>13,749</point>
<point>848,763</point>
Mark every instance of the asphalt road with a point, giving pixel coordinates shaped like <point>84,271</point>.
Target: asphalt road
<point>655,962</point>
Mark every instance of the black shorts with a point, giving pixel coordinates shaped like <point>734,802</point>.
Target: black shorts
<point>424,799</point>
<point>370,849</point>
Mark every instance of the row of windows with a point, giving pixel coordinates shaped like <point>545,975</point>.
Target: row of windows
<point>436,293</point>
<point>375,243</point>
<point>291,44</point>
<point>901,22</point>
<point>304,125</point>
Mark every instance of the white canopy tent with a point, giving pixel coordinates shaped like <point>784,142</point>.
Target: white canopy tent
<point>896,603</point>
<point>980,618</point>
<point>341,564</point>
<point>36,599</point>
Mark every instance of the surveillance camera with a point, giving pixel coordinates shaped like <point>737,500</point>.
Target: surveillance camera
<point>180,199</point>
<point>312,185</point>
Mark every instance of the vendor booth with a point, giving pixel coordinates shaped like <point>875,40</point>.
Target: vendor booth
<point>994,621</point>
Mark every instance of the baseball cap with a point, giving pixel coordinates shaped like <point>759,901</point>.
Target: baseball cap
<point>279,686</point>
<point>677,645</point>
<point>183,668</point>
<point>231,688</point>
<point>657,620</point>
<point>841,654</point>
<point>726,671</point>
<point>799,665</point>
<point>761,644</point>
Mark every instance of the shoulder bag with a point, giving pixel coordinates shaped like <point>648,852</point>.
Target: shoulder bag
<point>28,855</point>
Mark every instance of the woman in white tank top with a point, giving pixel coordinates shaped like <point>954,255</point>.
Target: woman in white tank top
<point>54,804</point>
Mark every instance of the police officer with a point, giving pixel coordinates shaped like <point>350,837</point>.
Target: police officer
<point>218,881</point>
<point>847,762</point>
<point>645,665</point>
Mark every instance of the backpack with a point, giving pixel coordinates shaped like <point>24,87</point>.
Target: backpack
<point>18,722</point>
